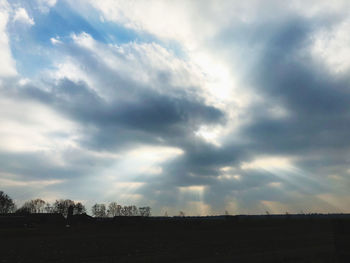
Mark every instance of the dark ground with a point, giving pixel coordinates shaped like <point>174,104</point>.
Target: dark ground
<point>230,240</point>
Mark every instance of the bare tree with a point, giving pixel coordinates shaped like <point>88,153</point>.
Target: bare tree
<point>61,206</point>
<point>34,206</point>
<point>27,207</point>
<point>48,208</point>
<point>39,205</point>
<point>126,210</point>
<point>99,210</point>
<point>134,211</point>
<point>145,211</point>
<point>79,208</point>
<point>114,209</point>
<point>117,210</point>
<point>6,203</point>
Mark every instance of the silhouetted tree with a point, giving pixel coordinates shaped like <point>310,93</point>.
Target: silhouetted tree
<point>48,208</point>
<point>6,203</point>
<point>134,211</point>
<point>114,209</point>
<point>79,208</point>
<point>145,211</point>
<point>61,206</point>
<point>126,211</point>
<point>34,206</point>
<point>22,210</point>
<point>70,212</point>
<point>181,213</point>
<point>117,210</point>
<point>27,207</point>
<point>39,205</point>
<point>98,210</point>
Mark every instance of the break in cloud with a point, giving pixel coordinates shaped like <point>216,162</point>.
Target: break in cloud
<point>199,106</point>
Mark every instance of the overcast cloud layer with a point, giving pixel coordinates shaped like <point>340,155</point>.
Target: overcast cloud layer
<point>199,106</point>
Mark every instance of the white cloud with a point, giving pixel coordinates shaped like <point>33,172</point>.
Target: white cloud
<point>55,41</point>
<point>145,16</point>
<point>315,7</point>
<point>22,16</point>
<point>332,47</point>
<point>7,65</point>
<point>28,127</point>
<point>71,70</point>
<point>147,64</point>
<point>45,5</point>
<point>193,25</point>
<point>34,184</point>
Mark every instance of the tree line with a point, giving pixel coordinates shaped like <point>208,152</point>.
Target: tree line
<point>62,206</point>
<point>114,209</point>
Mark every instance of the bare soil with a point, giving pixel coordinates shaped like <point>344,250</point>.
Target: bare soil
<point>179,241</point>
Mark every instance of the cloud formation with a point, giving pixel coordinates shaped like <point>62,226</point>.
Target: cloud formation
<point>219,107</point>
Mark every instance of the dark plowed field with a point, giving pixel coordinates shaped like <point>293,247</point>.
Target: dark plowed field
<point>180,241</point>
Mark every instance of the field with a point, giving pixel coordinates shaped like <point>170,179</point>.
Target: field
<point>181,240</point>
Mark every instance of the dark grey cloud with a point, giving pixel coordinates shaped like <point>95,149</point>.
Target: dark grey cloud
<point>140,117</point>
<point>314,132</point>
<point>316,101</point>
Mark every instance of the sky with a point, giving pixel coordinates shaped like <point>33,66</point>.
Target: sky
<point>198,106</point>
